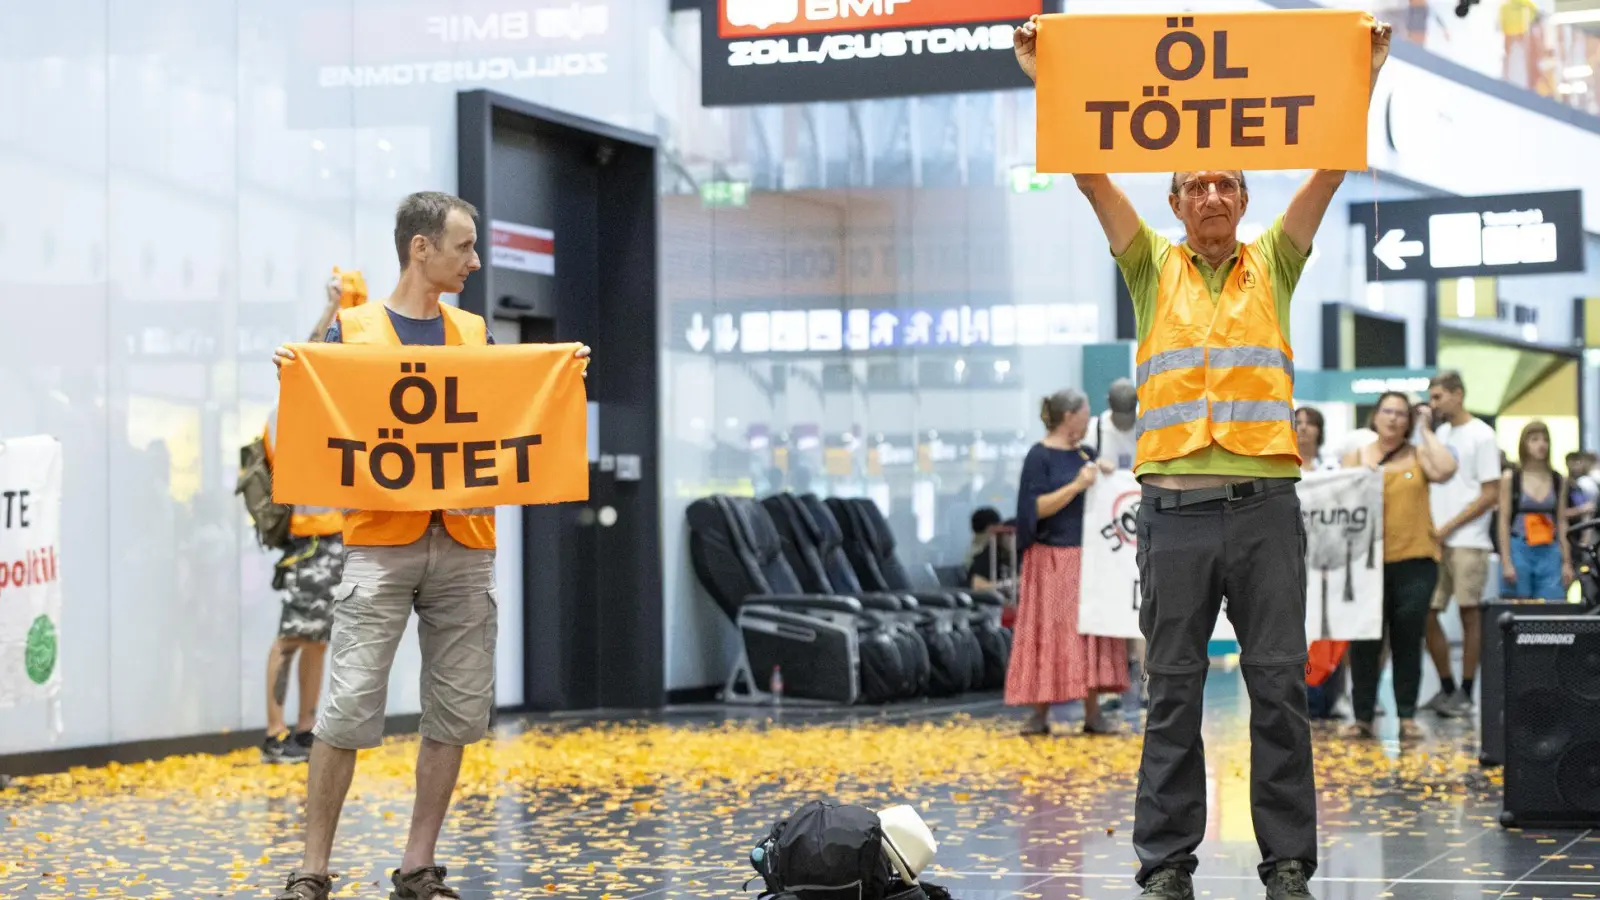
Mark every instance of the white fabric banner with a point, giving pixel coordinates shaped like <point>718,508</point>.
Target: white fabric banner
<point>1108,592</point>
<point>30,577</point>
<point>1343,514</point>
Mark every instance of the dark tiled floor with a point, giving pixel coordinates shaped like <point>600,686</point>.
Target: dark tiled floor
<point>667,806</point>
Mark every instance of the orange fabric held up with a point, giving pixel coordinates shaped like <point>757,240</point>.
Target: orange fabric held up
<point>473,528</point>
<point>415,429</point>
<point>352,288</point>
<point>1158,93</point>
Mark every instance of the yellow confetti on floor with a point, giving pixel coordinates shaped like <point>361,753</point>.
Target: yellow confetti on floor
<point>626,809</point>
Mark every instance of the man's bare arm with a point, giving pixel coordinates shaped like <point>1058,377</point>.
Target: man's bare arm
<point>1112,207</point>
<point>1488,498</point>
<point>1310,203</point>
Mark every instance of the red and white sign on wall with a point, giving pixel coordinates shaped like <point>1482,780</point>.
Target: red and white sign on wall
<point>522,247</point>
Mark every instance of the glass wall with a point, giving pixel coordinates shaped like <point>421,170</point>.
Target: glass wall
<point>182,176</point>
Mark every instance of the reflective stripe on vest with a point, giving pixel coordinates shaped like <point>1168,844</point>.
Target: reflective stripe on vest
<point>1252,411</point>
<point>1221,411</point>
<point>475,528</point>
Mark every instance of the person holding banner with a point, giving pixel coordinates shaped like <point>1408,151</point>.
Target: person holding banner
<point>1410,559</point>
<point>441,564</point>
<point>1051,662</point>
<point>312,565</point>
<point>1219,461</point>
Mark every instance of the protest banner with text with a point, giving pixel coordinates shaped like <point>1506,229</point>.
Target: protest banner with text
<point>407,429</point>
<point>1159,93</point>
<point>30,570</point>
<point>1342,512</point>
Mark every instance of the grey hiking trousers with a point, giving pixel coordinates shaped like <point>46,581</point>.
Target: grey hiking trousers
<point>1249,547</point>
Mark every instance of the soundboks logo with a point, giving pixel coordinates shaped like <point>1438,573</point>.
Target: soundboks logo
<point>1559,640</point>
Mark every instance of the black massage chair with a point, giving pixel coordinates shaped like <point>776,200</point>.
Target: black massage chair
<point>970,617</point>
<point>811,544</point>
<point>823,643</point>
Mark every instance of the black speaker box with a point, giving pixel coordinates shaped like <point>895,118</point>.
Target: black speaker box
<point>1552,703</point>
<point>1491,679</point>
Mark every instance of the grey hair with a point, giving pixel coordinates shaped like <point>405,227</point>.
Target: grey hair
<point>1059,405</point>
<point>425,213</point>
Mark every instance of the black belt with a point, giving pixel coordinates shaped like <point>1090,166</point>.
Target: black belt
<point>1165,498</point>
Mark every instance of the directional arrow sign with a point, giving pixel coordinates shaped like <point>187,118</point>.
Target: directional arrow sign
<point>1394,249</point>
<point>698,334</point>
<point>1458,237</point>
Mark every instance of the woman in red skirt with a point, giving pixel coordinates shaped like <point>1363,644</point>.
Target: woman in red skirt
<point>1050,661</point>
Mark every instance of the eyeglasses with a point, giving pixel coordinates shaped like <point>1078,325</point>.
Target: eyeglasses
<point>1394,413</point>
<point>1197,190</point>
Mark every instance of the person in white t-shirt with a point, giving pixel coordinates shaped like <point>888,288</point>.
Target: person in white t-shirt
<point>1461,508</point>
<point>1112,433</point>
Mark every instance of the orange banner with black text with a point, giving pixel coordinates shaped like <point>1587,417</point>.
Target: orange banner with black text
<point>408,429</point>
<point>1284,89</point>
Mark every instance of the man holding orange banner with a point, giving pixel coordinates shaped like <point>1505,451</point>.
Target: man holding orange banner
<point>1218,460</point>
<point>419,526</point>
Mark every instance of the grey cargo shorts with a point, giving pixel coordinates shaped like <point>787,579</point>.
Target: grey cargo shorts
<point>451,587</point>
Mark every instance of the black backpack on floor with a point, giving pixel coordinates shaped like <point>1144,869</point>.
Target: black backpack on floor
<point>824,852</point>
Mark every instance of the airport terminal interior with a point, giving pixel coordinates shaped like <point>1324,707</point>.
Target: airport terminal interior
<point>800,449</point>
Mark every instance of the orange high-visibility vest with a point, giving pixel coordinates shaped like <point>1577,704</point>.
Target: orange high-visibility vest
<point>369,324</point>
<point>1215,372</point>
<point>305,521</point>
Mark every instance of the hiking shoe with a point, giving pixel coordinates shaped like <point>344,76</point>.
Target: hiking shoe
<point>1168,884</point>
<point>296,749</point>
<point>272,748</point>
<point>1288,882</point>
<point>305,886</point>
<point>425,883</point>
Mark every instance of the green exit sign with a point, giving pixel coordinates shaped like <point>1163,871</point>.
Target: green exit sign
<point>1025,180</point>
<point>725,194</point>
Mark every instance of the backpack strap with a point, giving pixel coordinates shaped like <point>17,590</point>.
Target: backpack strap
<point>1391,455</point>
<point>1516,492</point>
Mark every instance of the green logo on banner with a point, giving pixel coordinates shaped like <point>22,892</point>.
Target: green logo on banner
<point>40,657</point>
